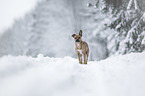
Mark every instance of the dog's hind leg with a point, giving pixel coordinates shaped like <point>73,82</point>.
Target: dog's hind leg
<point>86,59</point>
<point>80,58</point>
<point>87,55</point>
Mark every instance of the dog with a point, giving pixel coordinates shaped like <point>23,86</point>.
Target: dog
<point>81,48</point>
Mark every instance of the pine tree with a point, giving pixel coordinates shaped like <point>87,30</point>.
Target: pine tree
<point>130,25</point>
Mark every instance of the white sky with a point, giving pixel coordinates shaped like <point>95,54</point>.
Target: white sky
<point>13,9</point>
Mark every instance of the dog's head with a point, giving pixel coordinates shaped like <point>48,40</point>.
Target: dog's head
<point>77,38</point>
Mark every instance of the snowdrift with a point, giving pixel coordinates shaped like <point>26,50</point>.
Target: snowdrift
<point>44,76</point>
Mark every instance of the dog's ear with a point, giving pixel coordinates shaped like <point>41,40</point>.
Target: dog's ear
<point>80,33</point>
<point>73,35</point>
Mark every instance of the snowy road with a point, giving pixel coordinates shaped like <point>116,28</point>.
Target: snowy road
<point>44,76</point>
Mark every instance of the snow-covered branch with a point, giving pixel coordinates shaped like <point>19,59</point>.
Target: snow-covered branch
<point>135,4</point>
<point>129,4</point>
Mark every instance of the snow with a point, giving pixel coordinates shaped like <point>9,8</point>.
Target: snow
<point>144,17</point>
<point>122,75</point>
<point>135,3</point>
<point>13,9</point>
<point>131,3</point>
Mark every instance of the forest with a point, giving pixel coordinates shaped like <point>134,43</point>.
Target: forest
<point>110,27</point>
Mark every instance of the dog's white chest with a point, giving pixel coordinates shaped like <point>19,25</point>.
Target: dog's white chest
<point>80,51</point>
<point>78,46</point>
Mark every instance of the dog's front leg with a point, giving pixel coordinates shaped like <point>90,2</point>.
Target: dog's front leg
<point>79,57</point>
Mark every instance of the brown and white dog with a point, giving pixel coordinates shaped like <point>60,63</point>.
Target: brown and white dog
<point>81,48</point>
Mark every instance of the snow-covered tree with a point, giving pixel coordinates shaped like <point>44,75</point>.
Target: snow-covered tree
<point>47,30</point>
<point>129,24</point>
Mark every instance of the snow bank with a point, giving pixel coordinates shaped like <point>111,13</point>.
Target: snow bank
<point>44,76</point>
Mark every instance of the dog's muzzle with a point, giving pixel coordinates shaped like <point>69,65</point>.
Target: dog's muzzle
<point>77,40</point>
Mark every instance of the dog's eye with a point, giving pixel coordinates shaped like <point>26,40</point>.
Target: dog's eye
<point>75,38</point>
<point>79,38</point>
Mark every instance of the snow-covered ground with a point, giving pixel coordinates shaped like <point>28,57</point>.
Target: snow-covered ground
<point>122,75</point>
